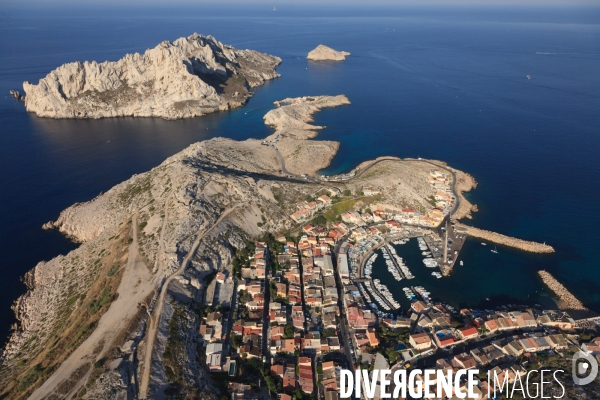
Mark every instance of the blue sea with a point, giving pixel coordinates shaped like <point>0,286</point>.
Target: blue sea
<point>441,83</point>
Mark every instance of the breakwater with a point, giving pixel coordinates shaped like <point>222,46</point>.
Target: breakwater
<point>566,299</point>
<point>498,238</point>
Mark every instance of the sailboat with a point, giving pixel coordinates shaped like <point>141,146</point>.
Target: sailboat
<point>494,250</point>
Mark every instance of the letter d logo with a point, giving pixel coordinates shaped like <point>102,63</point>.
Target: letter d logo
<point>583,368</point>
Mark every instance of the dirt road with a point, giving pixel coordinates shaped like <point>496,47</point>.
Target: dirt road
<point>136,284</point>
<point>155,317</point>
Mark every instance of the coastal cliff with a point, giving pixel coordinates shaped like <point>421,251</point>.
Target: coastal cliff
<point>324,53</point>
<point>186,78</point>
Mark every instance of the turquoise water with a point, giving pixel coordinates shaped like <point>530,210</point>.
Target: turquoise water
<point>445,84</point>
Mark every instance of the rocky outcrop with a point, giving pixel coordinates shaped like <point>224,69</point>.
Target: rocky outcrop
<point>17,95</point>
<point>291,123</point>
<point>189,77</point>
<point>292,116</point>
<point>324,53</point>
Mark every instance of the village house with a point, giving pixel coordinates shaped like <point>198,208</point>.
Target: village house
<point>464,361</point>
<point>468,332</point>
<point>305,374</point>
<point>359,318</point>
<point>444,338</point>
<point>420,341</point>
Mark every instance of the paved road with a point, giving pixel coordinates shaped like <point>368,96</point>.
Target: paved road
<point>230,321</point>
<point>265,339</point>
<point>344,327</point>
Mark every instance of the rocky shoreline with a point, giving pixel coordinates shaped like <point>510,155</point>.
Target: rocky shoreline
<point>566,300</point>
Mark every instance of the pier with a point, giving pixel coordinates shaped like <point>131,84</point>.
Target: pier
<point>498,238</point>
<point>394,261</point>
<point>420,295</point>
<point>371,287</point>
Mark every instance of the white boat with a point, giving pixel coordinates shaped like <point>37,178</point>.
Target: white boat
<point>494,250</point>
<point>484,244</point>
<point>461,263</point>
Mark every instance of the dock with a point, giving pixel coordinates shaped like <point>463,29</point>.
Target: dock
<point>394,261</point>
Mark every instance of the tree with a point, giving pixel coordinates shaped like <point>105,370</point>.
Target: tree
<point>254,363</point>
<point>243,297</point>
<point>392,355</point>
<point>288,332</point>
<point>319,220</point>
<point>236,340</point>
<point>271,383</point>
<point>328,333</point>
<point>347,193</point>
<point>298,394</point>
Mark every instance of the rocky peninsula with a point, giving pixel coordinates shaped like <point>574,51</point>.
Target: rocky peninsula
<point>324,53</point>
<point>119,317</point>
<point>148,247</point>
<point>292,129</point>
<point>186,78</point>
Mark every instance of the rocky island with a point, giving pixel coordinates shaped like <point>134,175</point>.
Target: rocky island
<point>324,53</point>
<point>189,77</point>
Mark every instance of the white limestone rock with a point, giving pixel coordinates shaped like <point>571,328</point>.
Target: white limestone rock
<point>324,53</point>
<point>189,77</point>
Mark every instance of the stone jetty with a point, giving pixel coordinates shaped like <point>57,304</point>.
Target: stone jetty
<point>566,299</point>
<point>498,238</point>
